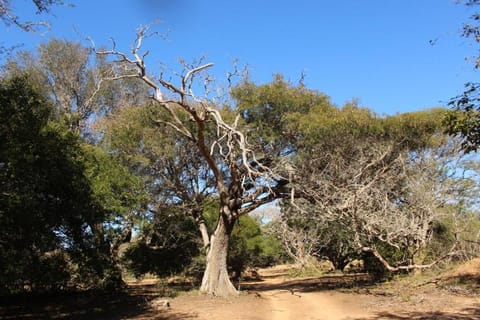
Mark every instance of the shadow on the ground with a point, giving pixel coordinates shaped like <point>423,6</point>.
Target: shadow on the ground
<point>129,304</point>
<point>472,313</point>
<point>325,282</point>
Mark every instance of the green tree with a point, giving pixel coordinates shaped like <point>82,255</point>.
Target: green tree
<point>51,198</point>
<point>354,175</point>
<point>45,197</point>
<point>75,78</point>
<point>384,180</point>
<point>178,183</point>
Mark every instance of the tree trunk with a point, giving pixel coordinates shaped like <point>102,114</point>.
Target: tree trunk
<point>215,279</point>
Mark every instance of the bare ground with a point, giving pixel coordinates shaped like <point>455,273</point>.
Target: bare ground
<point>275,296</point>
<point>336,297</point>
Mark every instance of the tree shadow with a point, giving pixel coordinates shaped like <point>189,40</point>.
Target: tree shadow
<point>131,303</point>
<point>325,282</point>
<point>472,313</point>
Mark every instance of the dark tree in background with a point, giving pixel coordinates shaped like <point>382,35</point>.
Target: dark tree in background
<point>55,192</point>
<point>44,197</point>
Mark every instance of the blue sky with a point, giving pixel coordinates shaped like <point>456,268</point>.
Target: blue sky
<point>376,51</point>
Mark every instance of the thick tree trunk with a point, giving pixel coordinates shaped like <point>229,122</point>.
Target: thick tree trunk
<point>215,279</point>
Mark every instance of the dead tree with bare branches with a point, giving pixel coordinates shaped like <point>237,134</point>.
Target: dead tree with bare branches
<point>242,182</point>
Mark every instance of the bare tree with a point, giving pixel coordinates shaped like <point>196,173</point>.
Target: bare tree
<point>75,81</point>
<point>242,182</point>
<point>299,242</point>
<point>383,196</point>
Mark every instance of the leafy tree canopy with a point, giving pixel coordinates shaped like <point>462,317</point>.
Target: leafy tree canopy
<point>54,190</point>
<point>464,118</point>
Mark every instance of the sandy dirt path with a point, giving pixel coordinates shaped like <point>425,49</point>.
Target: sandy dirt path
<point>312,306</point>
<point>271,305</point>
<point>289,303</point>
<point>275,296</point>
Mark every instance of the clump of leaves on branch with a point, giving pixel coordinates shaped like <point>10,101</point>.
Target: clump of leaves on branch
<point>464,118</point>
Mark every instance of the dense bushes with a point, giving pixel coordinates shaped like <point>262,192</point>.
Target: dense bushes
<point>52,234</point>
<point>170,244</point>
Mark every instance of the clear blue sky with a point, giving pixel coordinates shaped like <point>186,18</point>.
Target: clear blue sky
<point>377,51</point>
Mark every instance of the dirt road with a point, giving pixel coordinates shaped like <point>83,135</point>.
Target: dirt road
<point>319,305</point>
<point>272,305</point>
<point>277,297</point>
<point>274,296</point>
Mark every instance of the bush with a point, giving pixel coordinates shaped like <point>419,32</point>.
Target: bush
<point>250,247</point>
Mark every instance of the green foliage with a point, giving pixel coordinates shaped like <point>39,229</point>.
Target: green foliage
<point>268,109</point>
<point>245,245</point>
<point>322,126</point>
<point>288,119</point>
<point>338,151</point>
<point>167,245</point>
<point>54,193</point>
<point>114,188</point>
<point>415,130</point>
<point>43,192</point>
<point>271,250</point>
<point>464,118</point>
<point>249,245</point>
<point>337,244</point>
<point>342,128</point>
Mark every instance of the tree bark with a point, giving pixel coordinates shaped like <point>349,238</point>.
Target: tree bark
<point>202,227</point>
<point>215,279</point>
